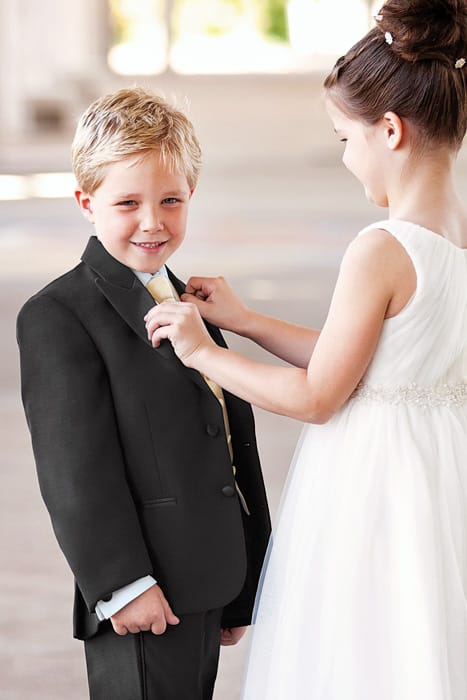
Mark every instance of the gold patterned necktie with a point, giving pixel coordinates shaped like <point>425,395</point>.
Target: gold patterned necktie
<point>161,290</point>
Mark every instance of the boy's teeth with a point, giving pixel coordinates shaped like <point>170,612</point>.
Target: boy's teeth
<point>149,245</point>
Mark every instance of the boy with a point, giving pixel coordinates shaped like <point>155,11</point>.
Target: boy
<point>165,537</point>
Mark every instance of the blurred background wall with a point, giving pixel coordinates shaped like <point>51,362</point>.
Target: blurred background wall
<point>56,55</point>
<point>273,212</point>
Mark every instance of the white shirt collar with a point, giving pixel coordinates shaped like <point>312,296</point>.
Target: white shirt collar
<point>145,277</point>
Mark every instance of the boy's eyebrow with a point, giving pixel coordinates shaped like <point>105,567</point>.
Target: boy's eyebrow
<point>130,195</point>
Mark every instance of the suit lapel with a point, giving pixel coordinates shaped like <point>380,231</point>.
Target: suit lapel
<point>132,305</point>
<point>132,301</point>
<point>123,290</point>
<point>213,331</point>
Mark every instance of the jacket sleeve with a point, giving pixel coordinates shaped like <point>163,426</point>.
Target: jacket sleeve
<point>68,404</point>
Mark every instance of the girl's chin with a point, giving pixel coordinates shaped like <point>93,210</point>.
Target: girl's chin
<point>379,201</point>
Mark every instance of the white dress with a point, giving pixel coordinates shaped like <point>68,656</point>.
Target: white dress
<point>364,593</point>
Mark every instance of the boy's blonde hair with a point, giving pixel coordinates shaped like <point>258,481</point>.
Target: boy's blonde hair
<point>130,121</point>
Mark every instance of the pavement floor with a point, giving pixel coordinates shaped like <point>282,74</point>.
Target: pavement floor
<point>274,212</point>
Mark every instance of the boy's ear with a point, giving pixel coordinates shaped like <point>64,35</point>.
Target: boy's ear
<point>191,192</point>
<point>84,202</point>
<point>393,130</point>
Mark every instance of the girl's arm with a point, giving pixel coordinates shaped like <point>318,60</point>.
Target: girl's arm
<point>367,290</point>
<point>218,304</point>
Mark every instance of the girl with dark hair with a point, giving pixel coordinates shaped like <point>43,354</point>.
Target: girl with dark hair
<point>364,595</point>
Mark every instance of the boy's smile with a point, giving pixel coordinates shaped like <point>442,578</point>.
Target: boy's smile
<point>139,211</point>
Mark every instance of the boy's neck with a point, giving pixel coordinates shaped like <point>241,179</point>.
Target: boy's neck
<point>144,277</point>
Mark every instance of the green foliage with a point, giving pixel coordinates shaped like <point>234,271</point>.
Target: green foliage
<point>118,22</point>
<point>219,16</point>
<point>213,17</point>
<point>274,18</point>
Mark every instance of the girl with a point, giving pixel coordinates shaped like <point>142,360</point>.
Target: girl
<point>364,593</point>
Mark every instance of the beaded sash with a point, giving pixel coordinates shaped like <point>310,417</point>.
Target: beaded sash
<point>422,396</point>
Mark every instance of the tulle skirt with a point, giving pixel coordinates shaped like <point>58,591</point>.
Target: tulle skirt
<point>363,595</point>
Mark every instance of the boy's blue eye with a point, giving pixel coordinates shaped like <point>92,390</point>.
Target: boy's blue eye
<point>127,203</point>
<point>170,200</point>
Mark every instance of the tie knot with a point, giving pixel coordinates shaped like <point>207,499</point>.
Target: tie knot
<point>160,289</point>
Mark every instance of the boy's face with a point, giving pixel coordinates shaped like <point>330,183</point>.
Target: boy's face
<point>139,211</point>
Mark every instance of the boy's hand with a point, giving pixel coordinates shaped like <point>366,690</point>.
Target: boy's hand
<point>217,302</point>
<point>182,325</point>
<point>150,611</point>
<point>232,635</point>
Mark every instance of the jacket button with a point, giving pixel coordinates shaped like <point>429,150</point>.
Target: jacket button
<point>212,430</point>
<point>228,490</point>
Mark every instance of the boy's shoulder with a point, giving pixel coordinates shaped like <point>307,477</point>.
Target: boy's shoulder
<point>60,288</point>
<point>75,284</point>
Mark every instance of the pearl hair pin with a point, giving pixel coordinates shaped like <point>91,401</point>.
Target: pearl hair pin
<point>389,38</point>
<point>460,63</point>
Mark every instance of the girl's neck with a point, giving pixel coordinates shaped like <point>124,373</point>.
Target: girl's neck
<point>425,194</point>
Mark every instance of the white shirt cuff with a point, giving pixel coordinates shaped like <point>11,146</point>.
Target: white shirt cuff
<point>123,596</point>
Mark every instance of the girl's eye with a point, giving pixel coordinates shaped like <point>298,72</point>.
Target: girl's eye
<point>343,140</point>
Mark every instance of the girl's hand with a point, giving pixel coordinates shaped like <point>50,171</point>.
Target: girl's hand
<point>182,325</point>
<point>217,303</point>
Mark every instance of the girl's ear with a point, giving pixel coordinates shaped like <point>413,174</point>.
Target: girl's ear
<point>393,130</point>
<point>84,202</point>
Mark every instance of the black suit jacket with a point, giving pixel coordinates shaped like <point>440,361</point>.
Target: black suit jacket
<point>131,451</point>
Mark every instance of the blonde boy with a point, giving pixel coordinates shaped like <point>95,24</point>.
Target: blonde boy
<point>134,452</point>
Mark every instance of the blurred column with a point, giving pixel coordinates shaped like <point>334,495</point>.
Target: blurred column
<point>52,53</point>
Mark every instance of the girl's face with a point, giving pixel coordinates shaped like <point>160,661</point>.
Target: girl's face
<point>365,152</point>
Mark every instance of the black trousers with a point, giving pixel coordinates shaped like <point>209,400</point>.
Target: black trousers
<point>180,664</point>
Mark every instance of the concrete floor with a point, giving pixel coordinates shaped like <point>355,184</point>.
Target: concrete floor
<point>274,212</point>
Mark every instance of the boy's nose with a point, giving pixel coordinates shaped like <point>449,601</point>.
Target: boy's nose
<point>152,222</point>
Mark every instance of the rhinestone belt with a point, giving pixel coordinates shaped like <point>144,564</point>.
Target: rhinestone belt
<point>423,396</point>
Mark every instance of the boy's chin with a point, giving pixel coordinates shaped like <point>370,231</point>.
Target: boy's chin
<point>142,265</point>
<point>147,263</point>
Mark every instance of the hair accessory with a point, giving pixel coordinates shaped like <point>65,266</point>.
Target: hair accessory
<point>378,18</point>
<point>460,63</point>
<point>389,38</point>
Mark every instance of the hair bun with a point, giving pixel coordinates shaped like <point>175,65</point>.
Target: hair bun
<point>425,29</point>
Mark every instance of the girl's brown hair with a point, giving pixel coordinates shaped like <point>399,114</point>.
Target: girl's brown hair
<point>413,62</point>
